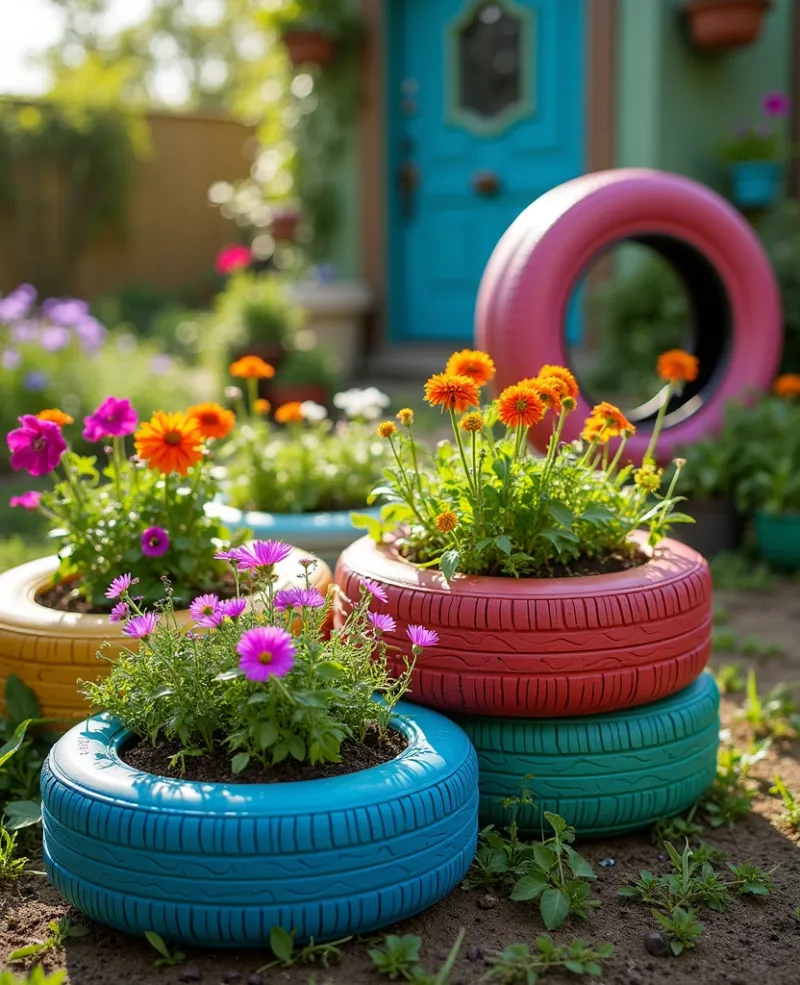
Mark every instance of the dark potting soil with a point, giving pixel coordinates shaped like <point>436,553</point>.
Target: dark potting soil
<point>356,756</point>
<point>65,596</point>
<point>608,565</point>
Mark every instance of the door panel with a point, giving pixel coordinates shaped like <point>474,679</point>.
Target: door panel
<point>478,90</point>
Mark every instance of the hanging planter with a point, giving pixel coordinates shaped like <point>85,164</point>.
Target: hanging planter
<point>755,184</point>
<point>717,25</point>
<point>310,46</point>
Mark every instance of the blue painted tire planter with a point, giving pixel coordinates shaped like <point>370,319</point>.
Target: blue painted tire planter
<point>323,534</point>
<point>605,774</point>
<point>219,865</point>
<point>755,184</point>
<point>778,538</point>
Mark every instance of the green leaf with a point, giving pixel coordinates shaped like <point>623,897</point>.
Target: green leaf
<point>594,969</point>
<point>297,747</point>
<point>281,943</point>
<point>258,698</point>
<point>229,675</point>
<point>580,867</point>
<point>311,699</point>
<point>373,526</point>
<point>22,814</point>
<point>16,740</point>
<point>529,887</point>
<point>503,543</point>
<point>448,564</point>
<point>561,514</point>
<point>556,822</point>
<point>554,906</point>
<point>545,857</point>
<point>21,702</point>
<point>240,761</point>
<point>265,735</point>
<point>577,967</point>
<point>157,941</point>
<point>329,670</point>
<point>676,947</point>
<point>27,951</point>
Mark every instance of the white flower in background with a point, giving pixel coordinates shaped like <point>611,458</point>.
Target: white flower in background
<point>233,393</point>
<point>312,412</point>
<point>367,404</point>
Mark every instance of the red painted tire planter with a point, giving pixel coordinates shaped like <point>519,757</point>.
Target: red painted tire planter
<point>531,274</point>
<point>541,647</point>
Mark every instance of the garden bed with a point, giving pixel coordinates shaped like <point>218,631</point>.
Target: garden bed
<point>753,939</point>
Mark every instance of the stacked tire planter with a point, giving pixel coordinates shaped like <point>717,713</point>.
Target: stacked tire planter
<point>592,685</point>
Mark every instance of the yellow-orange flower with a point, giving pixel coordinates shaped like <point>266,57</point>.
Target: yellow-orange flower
<point>291,413</point>
<point>452,391</point>
<point>612,418</point>
<point>169,442</point>
<point>445,522</point>
<point>56,416</point>
<point>677,366</point>
<point>786,386</point>
<point>251,368</point>
<point>520,406</point>
<point>472,422</point>
<point>595,430</point>
<point>648,477</point>
<point>262,406</point>
<point>387,429</point>
<point>406,416</point>
<point>213,420</point>
<point>477,365</point>
<point>563,374</point>
<point>551,390</point>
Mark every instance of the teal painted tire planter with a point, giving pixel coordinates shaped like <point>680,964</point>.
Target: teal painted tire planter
<point>754,184</point>
<point>778,538</point>
<point>605,774</point>
<point>323,534</point>
<point>219,865</point>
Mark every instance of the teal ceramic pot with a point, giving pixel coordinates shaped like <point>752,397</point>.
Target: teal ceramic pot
<point>778,538</point>
<point>755,183</point>
<point>323,534</point>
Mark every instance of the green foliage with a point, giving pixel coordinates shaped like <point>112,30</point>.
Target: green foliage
<point>732,794</point>
<point>775,714</point>
<point>309,366</point>
<point>398,959</point>
<point>169,956</point>
<point>730,678</point>
<point>791,804</point>
<point>736,572</point>
<point>11,865</point>
<point>61,931</point>
<point>725,640</point>
<point>682,927</point>
<point>190,688</point>
<point>255,310</point>
<point>518,965</point>
<point>784,251</point>
<point>282,945</point>
<point>36,976</point>
<point>714,467</point>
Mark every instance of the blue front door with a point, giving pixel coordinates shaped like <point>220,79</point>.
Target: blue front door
<point>485,113</point>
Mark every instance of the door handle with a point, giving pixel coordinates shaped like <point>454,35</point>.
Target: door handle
<point>408,182</point>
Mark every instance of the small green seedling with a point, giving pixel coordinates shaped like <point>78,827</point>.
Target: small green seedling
<point>733,571</point>
<point>398,959</point>
<point>518,965</point>
<point>776,714</point>
<point>676,828</point>
<point>282,945</point>
<point>791,812</point>
<point>35,976</point>
<point>730,678</point>
<point>11,866</point>
<point>682,927</point>
<point>169,957</point>
<point>732,795</point>
<point>60,932</point>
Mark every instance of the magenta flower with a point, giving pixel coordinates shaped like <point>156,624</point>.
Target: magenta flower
<point>155,542</point>
<point>262,554</point>
<point>232,258</point>
<point>120,612</point>
<point>382,623</point>
<point>375,589</point>
<point>37,446</point>
<point>205,610</point>
<point>775,104</point>
<point>298,598</point>
<point>231,555</point>
<point>114,418</point>
<point>265,651</point>
<point>120,585</point>
<point>53,338</point>
<point>140,627</point>
<point>232,608</point>
<point>28,500</point>
<point>421,637</point>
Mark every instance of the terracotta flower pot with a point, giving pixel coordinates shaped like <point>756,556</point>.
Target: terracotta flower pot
<point>310,46</point>
<point>51,650</point>
<point>544,647</point>
<point>719,24</point>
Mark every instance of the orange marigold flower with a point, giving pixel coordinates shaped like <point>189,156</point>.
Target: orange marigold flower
<point>387,429</point>
<point>213,420</point>
<point>472,422</point>
<point>612,418</point>
<point>406,416</point>
<point>520,406</point>
<point>291,413</point>
<point>677,366</point>
<point>262,406</point>
<point>445,522</point>
<point>551,390</point>
<point>452,391</point>
<point>563,374</point>
<point>251,368</point>
<point>595,430</point>
<point>56,416</point>
<point>786,386</point>
<point>169,442</point>
<point>477,365</point>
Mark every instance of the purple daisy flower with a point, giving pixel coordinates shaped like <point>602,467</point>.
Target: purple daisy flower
<point>381,622</point>
<point>16,304</point>
<point>307,562</point>
<point>114,418</point>
<point>65,311</point>
<point>231,555</point>
<point>375,589</point>
<point>421,637</point>
<point>90,332</point>
<point>155,542</point>
<point>25,331</point>
<point>298,598</point>
<point>232,608</point>
<point>53,338</point>
<point>265,651</point>
<point>120,585</point>
<point>28,500</point>
<point>120,612</point>
<point>262,554</point>
<point>37,446</point>
<point>205,611</point>
<point>140,627</point>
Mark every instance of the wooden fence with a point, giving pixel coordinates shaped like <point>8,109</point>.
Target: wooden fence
<point>172,233</point>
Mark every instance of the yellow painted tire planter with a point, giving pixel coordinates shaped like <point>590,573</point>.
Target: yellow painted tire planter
<point>51,650</point>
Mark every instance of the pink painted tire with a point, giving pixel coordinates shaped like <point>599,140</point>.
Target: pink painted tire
<point>530,276</point>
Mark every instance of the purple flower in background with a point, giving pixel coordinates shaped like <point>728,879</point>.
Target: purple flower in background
<point>232,608</point>
<point>25,331</point>
<point>161,364</point>
<point>298,598</point>
<point>381,622</point>
<point>120,585</point>
<point>114,418</point>
<point>66,312</point>
<point>54,337</point>
<point>140,627</point>
<point>155,542</point>
<point>37,446</point>
<point>205,610</point>
<point>120,612</point>
<point>28,500</point>
<point>90,332</point>
<point>375,589</point>
<point>775,104</point>
<point>421,637</point>
<point>11,359</point>
<point>231,555</point>
<point>35,380</point>
<point>265,651</point>
<point>262,554</point>
<point>16,304</point>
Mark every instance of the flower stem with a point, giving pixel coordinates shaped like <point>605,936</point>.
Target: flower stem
<point>463,454</point>
<point>662,412</point>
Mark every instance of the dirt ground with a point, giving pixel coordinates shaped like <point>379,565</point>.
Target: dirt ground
<point>753,940</point>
